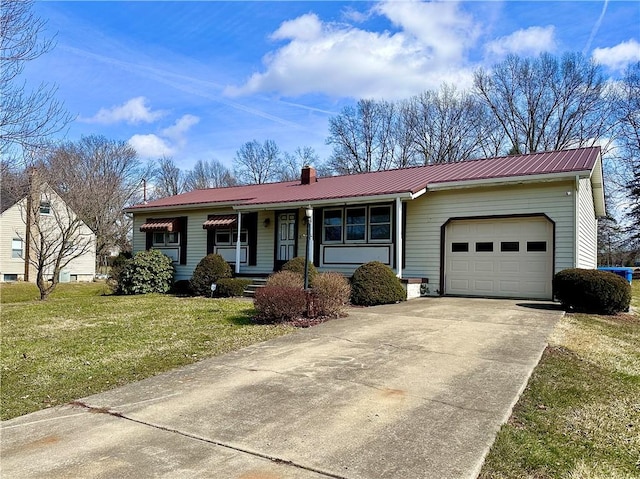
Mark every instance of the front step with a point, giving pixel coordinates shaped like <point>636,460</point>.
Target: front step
<point>256,283</point>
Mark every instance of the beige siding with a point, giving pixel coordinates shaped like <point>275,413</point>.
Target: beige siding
<point>12,225</point>
<point>197,239</point>
<point>427,214</point>
<point>587,227</point>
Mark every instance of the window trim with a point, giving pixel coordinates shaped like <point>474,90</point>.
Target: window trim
<point>166,243</point>
<point>14,249</point>
<point>371,223</point>
<point>346,225</point>
<point>325,226</point>
<point>233,236</point>
<point>45,204</point>
<point>368,224</point>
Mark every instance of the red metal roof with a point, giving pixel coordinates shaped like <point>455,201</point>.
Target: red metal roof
<point>164,224</point>
<point>219,220</point>
<point>407,180</point>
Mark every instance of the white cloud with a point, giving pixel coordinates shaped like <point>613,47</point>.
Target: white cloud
<point>177,131</point>
<point>133,111</point>
<point>619,56</point>
<point>150,146</point>
<point>341,60</point>
<point>527,42</point>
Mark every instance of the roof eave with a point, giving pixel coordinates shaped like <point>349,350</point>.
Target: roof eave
<point>350,200</point>
<point>186,206</point>
<point>511,180</point>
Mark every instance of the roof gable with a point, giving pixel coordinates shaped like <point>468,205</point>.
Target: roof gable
<point>406,181</point>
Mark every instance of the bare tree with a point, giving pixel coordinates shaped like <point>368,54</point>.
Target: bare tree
<point>292,163</point>
<point>168,179</point>
<point>257,163</point>
<point>27,118</point>
<point>97,178</point>
<point>208,174</point>
<point>54,235</point>
<point>546,103</point>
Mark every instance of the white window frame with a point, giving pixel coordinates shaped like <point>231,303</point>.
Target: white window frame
<point>325,226</point>
<point>45,207</point>
<point>233,236</point>
<point>346,224</point>
<point>14,242</point>
<point>370,224</point>
<point>166,241</point>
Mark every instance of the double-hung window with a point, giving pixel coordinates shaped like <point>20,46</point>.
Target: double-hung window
<point>230,237</point>
<point>357,224</point>
<point>166,238</point>
<point>16,248</point>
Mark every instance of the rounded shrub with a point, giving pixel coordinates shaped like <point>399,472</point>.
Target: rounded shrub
<point>210,269</point>
<point>375,283</point>
<point>280,303</point>
<point>331,293</point>
<point>147,272</point>
<point>231,287</point>
<point>297,266</point>
<point>286,279</point>
<point>592,291</point>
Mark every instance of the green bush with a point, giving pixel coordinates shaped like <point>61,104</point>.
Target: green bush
<point>280,303</point>
<point>147,272</point>
<point>230,287</point>
<point>592,291</point>
<point>210,269</point>
<point>297,266</point>
<point>117,266</point>
<point>286,279</point>
<point>331,292</point>
<point>375,283</point>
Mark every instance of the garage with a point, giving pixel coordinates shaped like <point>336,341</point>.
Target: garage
<point>499,257</point>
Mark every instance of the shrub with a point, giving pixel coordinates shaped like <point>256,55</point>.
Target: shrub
<point>297,266</point>
<point>286,279</point>
<point>592,291</point>
<point>280,303</point>
<point>230,287</point>
<point>147,272</point>
<point>117,266</point>
<point>331,292</point>
<point>182,288</point>
<point>375,283</point>
<point>210,269</point>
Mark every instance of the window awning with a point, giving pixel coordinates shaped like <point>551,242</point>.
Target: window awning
<point>216,221</point>
<point>162,224</point>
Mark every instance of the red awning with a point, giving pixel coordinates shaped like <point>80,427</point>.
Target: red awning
<point>162,224</point>
<point>216,221</point>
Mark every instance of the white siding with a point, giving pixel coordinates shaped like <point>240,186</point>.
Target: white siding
<point>12,225</point>
<point>427,214</point>
<point>587,227</point>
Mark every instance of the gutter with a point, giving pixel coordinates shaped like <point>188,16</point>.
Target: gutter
<point>508,181</point>
<point>344,201</point>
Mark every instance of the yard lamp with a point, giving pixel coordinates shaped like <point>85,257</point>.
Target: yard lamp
<point>308,214</point>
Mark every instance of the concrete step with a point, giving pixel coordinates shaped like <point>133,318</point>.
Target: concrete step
<point>256,283</point>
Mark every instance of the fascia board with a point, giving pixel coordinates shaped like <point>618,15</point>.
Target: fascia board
<point>351,200</point>
<point>513,180</point>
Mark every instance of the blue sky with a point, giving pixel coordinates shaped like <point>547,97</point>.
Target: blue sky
<point>196,80</point>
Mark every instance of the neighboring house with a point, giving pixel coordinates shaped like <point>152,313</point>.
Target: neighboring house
<point>498,227</point>
<point>52,214</point>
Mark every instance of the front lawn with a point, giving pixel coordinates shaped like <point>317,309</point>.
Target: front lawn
<point>84,340</point>
<point>580,414</point>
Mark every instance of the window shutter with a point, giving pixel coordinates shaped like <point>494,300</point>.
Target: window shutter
<point>317,235</point>
<point>182,221</point>
<point>251,222</point>
<point>149,237</point>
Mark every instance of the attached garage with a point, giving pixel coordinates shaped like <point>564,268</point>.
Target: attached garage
<point>499,257</point>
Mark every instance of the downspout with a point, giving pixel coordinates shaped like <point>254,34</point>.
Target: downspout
<point>399,233</point>
<point>576,223</point>
<point>238,245</point>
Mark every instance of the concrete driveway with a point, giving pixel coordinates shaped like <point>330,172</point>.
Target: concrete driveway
<point>414,390</point>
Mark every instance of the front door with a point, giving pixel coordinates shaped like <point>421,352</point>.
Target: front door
<point>286,242</point>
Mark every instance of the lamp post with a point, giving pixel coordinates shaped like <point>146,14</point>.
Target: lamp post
<point>308,214</point>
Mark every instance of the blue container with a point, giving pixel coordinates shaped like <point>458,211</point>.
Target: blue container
<point>626,273</point>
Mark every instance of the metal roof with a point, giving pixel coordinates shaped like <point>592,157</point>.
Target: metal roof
<point>408,181</point>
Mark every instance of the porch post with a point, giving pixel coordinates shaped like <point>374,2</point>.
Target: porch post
<point>238,245</point>
<point>399,234</point>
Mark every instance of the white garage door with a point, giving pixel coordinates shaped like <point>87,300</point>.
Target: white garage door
<point>511,257</point>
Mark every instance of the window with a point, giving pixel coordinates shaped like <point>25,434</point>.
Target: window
<point>166,238</point>
<point>356,224</point>
<point>10,277</point>
<point>459,247</point>
<point>509,247</point>
<point>45,207</point>
<point>230,236</point>
<point>536,246</point>
<point>16,248</point>
<point>485,247</point>
<point>380,223</point>
<point>332,226</point>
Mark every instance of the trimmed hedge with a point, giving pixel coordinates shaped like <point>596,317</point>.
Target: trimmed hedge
<point>297,266</point>
<point>230,287</point>
<point>375,283</point>
<point>592,291</point>
<point>147,272</point>
<point>280,303</point>
<point>210,269</point>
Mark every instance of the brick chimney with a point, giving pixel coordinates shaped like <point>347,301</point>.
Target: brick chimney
<point>308,175</point>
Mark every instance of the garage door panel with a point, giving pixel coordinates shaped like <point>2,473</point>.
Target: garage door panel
<point>505,257</point>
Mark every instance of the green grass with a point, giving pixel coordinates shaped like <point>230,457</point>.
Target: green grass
<point>580,414</point>
<point>83,340</point>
